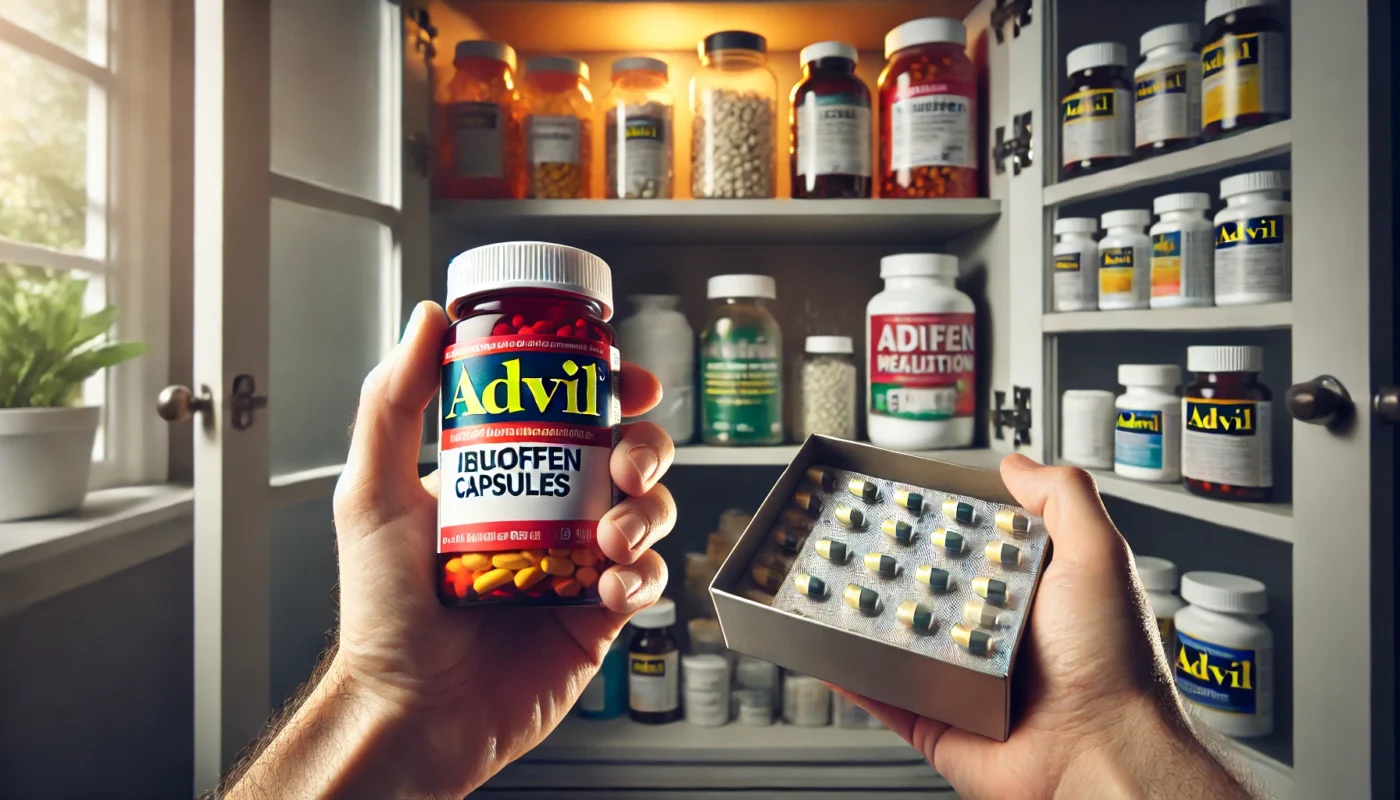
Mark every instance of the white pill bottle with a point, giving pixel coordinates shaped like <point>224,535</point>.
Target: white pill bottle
<point>1147,435</point>
<point>1224,660</point>
<point>1075,274</point>
<point>1158,577</point>
<point>1125,260</point>
<point>1254,240</point>
<point>921,356</point>
<point>1183,251</point>
<point>1087,419</point>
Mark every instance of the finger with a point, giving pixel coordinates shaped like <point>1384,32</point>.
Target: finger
<point>634,525</point>
<point>381,473</point>
<point>430,483</point>
<point>641,457</point>
<point>1069,501</point>
<point>640,391</point>
<point>970,762</point>
<point>922,733</point>
<point>627,589</point>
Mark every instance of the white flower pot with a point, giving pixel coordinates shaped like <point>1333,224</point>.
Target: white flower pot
<point>45,458</point>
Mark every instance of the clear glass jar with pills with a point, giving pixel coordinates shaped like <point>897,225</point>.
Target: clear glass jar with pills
<point>640,134</point>
<point>734,101</point>
<point>1125,260</point>
<point>1227,437</point>
<point>1224,659</point>
<point>558,128</point>
<point>1183,251</point>
<point>478,125</point>
<point>1096,120</point>
<point>1167,112</point>
<point>928,113</point>
<point>828,388</point>
<point>1244,66</point>
<point>1074,273</point>
<point>1254,240</point>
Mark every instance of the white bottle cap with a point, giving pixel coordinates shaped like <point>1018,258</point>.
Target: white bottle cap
<point>572,66</point>
<point>527,265</point>
<point>657,615</point>
<point>1237,358</point>
<point>704,666</point>
<point>1149,375</point>
<point>812,52</point>
<point>1076,225</point>
<point>1185,201</point>
<point>1270,181</point>
<point>830,344</point>
<point>1219,8</point>
<point>1127,218</point>
<point>929,30</point>
<point>919,265</point>
<point>1156,574</point>
<point>482,48</point>
<point>742,286</point>
<point>1219,591</point>
<point>640,64</point>
<point>1099,54</point>
<point>1181,33</point>
<point>1087,396</point>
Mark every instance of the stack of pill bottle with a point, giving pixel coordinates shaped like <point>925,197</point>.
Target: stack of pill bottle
<point>705,680</point>
<point>1224,658</point>
<point>1125,260</point>
<point>1227,438</point>
<point>1088,421</point>
<point>1168,81</point>
<point>1147,436</point>
<point>1254,240</point>
<point>1158,577</point>
<point>1075,272</point>
<point>1183,252</point>
<point>1096,110</point>
<point>653,665</point>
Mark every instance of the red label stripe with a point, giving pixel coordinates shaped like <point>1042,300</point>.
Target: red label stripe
<point>529,432</point>
<point>525,344</point>
<point>490,537</point>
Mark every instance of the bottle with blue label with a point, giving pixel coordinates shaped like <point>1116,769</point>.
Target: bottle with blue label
<point>1224,659</point>
<point>1147,433</point>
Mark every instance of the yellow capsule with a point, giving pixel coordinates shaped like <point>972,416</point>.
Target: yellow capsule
<point>454,565</point>
<point>881,564</point>
<point>824,478</point>
<point>584,557</point>
<point>992,590</point>
<point>556,565</point>
<point>951,541</point>
<point>897,530</point>
<point>806,501</point>
<point>533,556</point>
<point>850,517</point>
<point>910,500</point>
<point>565,587</point>
<point>916,616</point>
<point>476,561</point>
<point>1013,523</point>
<point>787,539</point>
<point>528,577</point>
<point>587,576</point>
<point>977,614</point>
<point>510,561</point>
<point>1007,555</point>
<point>975,641</point>
<point>864,489</point>
<point>937,580</point>
<point>833,551</point>
<point>862,599</point>
<point>767,577</point>
<point>797,520</point>
<point>810,586</point>
<point>953,508</point>
<point>493,580</point>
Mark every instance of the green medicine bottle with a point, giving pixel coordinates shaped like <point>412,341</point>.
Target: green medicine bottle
<point>741,354</point>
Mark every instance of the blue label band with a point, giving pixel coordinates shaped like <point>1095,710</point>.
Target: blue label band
<point>1215,676</point>
<point>1252,231</point>
<point>1164,81</point>
<point>1137,439</point>
<point>1166,245</point>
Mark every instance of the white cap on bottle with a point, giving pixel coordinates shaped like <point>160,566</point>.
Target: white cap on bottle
<point>742,286</point>
<point>919,265</point>
<point>1219,8</point>
<point>1268,181</point>
<point>1127,218</point>
<point>484,48</point>
<point>1076,225</point>
<point>812,52</point>
<point>928,30</point>
<point>572,66</point>
<point>1183,201</point>
<point>1156,574</point>
<point>1220,591</point>
<point>1099,54</point>
<point>1236,358</point>
<point>640,64</point>
<point>657,615</point>
<point>1149,374</point>
<point>830,344</point>
<point>1184,33</point>
<point>530,265</point>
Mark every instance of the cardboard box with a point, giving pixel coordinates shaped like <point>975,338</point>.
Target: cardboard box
<point>974,701</point>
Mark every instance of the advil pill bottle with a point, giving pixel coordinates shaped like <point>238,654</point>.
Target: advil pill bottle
<point>1226,441</point>
<point>528,422</point>
<point>1224,659</point>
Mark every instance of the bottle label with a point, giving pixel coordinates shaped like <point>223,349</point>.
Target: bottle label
<point>653,681</point>
<point>1096,124</point>
<point>553,139</point>
<point>1215,676</point>
<point>1182,264</point>
<point>1168,104</point>
<point>478,139</point>
<point>1117,266</point>
<point>1137,439</point>
<point>931,125</point>
<point>1242,74</point>
<point>740,375</point>
<point>643,152</point>
<point>922,366</point>
<point>1253,256</point>
<point>833,135</point>
<point>528,427</point>
<point>1069,283</point>
<point>1227,442</point>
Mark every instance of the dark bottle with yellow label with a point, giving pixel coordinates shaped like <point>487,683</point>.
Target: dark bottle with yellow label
<point>1226,442</point>
<point>1244,67</point>
<point>654,666</point>
<point>1096,111</point>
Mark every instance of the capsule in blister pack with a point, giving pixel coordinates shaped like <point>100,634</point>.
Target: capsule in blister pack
<point>916,616</point>
<point>951,542</point>
<point>833,551</point>
<point>862,599</point>
<point>850,517</point>
<point>898,530</point>
<point>937,580</point>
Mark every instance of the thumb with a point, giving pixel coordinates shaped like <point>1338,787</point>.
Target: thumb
<point>1068,499</point>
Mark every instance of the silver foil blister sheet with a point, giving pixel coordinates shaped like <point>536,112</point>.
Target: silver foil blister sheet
<point>947,607</point>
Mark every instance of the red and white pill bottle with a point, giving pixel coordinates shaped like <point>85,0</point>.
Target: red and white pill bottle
<point>528,419</point>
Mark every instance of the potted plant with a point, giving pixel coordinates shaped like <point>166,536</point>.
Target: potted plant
<point>48,347</point>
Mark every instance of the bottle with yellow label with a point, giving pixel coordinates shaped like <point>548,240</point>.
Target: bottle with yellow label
<point>1226,439</point>
<point>1158,577</point>
<point>1224,655</point>
<point>1244,77</point>
<point>1125,260</point>
<point>1183,251</point>
<point>654,666</point>
<point>1147,433</point>
<point>1096,110</point>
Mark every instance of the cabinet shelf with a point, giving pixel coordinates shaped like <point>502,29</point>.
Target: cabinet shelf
<point>1270,520</point>
<point>720,221</point>
<point>1214,318</point>
<point>1270,140</point>
<point>696,455</point>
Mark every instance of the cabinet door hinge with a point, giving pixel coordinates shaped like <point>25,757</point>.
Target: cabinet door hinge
<point>1017,12</point>
<point>1017,147</point>
<point>418,15</point>
<point>1017,417</point>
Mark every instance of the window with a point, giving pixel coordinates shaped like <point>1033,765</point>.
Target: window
<point>84,189</point>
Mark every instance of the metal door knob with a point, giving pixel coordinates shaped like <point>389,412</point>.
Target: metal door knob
<point>178,403</point>
<point>1320,401</point>
<point>1387,403</point>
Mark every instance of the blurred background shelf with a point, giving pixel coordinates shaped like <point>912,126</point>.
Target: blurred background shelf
<point>1213,318</point>
<point>1271,520</point>
<point>707,455</point>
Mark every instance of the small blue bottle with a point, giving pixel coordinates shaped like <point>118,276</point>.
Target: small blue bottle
<point>605,697</point>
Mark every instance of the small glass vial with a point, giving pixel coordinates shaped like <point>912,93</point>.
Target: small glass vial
<point>1224,654</point>
<point>1125,260</point>
<point>1147,435</point>
<point>828,384</point>
<point>1075,277</point>
<point>558,128</point>
<point>733,100</point>
<point>1183,251</point>
<point>605,696</point>
<point>741,364</point>
<point>830,149</point>
<point>1158,577</point>
<point>640,133</point>
<point>1096,126</point>
<point>928,119</point>
<point>653,666</point>
<point>1167,114</point>
<point>1087,424</point>
<point>1254,240</point>
<point>478,125</point>
<point>1227,442</point>
<point>1244,75</point>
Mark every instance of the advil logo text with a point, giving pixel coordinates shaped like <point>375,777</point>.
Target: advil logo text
<point>1216,676</point>
<point>1252,231</point>
<point>655,669</point>
<point>1093,103</point>
<point>1225,418</point>
<point>1229,51</point>
<point>526,386</point>
<point>1197,664</point>
<point>1140,421</point>
<point>1116,257</point>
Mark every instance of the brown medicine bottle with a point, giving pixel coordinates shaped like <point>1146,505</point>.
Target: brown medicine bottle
<point>1244,73</point>
<point>830,150</point>
<point>1226,447</point>
<point>653,666</point>
<point>1096,111</point>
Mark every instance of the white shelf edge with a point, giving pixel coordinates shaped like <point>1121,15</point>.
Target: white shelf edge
<point>1276,776</point>
<point>1268,141</point>
<point>1211,318</point>
<point>874,207</point>
<point>781,455</point>
<point>1270,520</point>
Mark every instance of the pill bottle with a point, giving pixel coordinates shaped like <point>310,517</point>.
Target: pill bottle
<point>754,707</point>
<point>639,129</point>
<point>523,475</point>
<point>705,681</point>
<point>478,125</point>
<point>605,696</point>
<point>741,357</point>
<point>1125,260</point>
<point>1087,422</point>
<point>558,109</point>
<point>806,701</point>
<point>1075,277</point>
<point>1244,72</point>
<point>1147,435</point>
<point>847,715</point>
<point>754,674</point>
<point>733,102</point>
<point>1158,577</point>
<point>1227,442</point>
<point>1183,251</point>
<point>1167,114</point>
<point>658,339</point>
<point>706,637</point>
<point>830,120</point>
<point>1254,240</point>
<point>828,388</point>
<point>921,356</point>
<point>653,666</point>
<point>928,111</point>
<point>1224,655</point>
<point>1096,109</point>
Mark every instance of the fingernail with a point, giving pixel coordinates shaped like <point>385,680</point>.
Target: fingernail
<point>633,527</point>
<point>630,581</point>
<point>645,459</point>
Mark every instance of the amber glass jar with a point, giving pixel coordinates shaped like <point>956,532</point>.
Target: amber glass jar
<point>1244,72</point>
<point>928,105</point>
<point>1226,444</point>
<point>1096,111</point>
<point>830,119</point>
<point>558,111</point>
<point>653,666</point>
<point>478,125</point>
